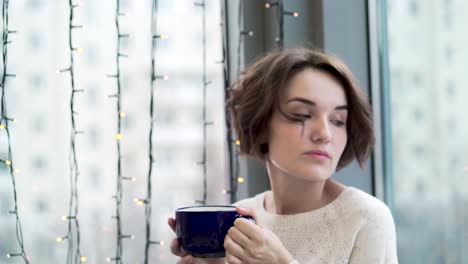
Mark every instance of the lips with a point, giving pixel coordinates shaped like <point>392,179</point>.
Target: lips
<point>320,153</point>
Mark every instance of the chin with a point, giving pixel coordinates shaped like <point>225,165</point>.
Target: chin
<point>314,174</point>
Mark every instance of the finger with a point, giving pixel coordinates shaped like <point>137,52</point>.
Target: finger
<point>237,236</point>
<point>245,211</point>
<point>176,250</point>
<point>233,248</point>
<point>171,222</point>
<point>185,260</point>
<point>252,231</point>
<point>231,259</point>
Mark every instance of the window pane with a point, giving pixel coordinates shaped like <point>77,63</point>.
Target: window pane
<point>39,99</point>
<point>428,55</point>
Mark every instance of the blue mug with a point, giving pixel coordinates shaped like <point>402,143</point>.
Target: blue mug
<point>201,230</point>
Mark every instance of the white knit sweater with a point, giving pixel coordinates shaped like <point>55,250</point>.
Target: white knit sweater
<point>355,228</point>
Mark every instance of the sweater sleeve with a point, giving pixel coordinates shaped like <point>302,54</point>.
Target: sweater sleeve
<point>376,241</point>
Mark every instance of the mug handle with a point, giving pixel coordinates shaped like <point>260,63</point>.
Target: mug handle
<point>246,217</point>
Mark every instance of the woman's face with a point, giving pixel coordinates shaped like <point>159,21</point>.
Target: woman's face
<point>311,148</point>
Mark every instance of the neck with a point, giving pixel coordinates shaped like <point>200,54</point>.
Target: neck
<point>292,195</point>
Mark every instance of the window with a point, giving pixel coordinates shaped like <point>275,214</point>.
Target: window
<point>429,160</point>
<point>46,162</point>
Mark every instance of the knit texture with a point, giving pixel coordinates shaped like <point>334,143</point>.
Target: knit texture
<point>355,228</point>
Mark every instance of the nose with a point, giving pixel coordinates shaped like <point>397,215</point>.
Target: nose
<point>320,130</point>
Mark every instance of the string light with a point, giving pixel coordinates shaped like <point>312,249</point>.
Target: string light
<point>281,13</point>
<point>205,122</point>
<point>60,239</point>
<point>120,114</point>
<point>157,242</point>
<point>65,218</point>
<point>164,77</point>
<point>294,14</point>
<point>235,169</point>
<point>234,157</point>
<point>147,201</point>
<point>247,33</point>
<point>162,36</point>
<point>139,202</point>
<point>109,259</point>
<point>129,178</point>
<point>73,234</point>
<point>4,125</point>
<point>14,255</point>
<point>268,4</point>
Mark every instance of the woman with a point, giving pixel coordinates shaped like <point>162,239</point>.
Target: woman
<point>302,114</point>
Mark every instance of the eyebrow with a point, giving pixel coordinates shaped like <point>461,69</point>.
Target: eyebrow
<point>312,103</point>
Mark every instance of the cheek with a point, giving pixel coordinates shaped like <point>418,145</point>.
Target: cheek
<point>284,145</point>
<point>284,137</point>
<point>341,137</point>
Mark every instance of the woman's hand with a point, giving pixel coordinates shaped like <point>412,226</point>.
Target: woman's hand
<point>250,243</point>
<point>184,257</point>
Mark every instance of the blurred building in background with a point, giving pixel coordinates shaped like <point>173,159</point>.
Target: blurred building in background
<point>39,99</point>
<point>428,51</point>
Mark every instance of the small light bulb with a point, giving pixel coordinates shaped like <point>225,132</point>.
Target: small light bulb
<point>14,120</point>
<point>140,203</point>
<point>295,14</point>
<point>59,239</point>
<point>79,49</point>
<point>8,162</point>
<point>64,218</point>
<point>17,170</point>
<point>136,200</point>
<point>83,259</point>
<point>238,142</point>
<point>240,179</point>
<point>8,255</point>
<point>119,136</point>
<point>161,243</point>
<point>166,77</point>
<point>267,5</point>
<point>163,36</point>
<point>108,259</point>
<point>133,179</point>
<point>2,126</point>
<point>224,191</point>
<point>122,114</point>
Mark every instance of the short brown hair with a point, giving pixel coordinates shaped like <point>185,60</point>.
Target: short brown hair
<point>255,95</point>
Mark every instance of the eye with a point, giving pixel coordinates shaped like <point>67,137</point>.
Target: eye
<point>302,116</point>
<point>338,123</point>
